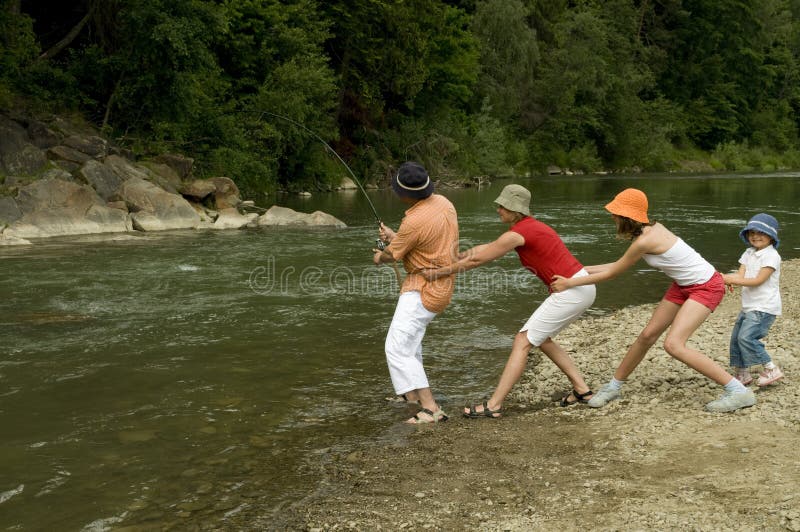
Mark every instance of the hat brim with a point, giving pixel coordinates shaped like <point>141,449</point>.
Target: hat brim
<point>623,210</point>
<point>414,194</point>
<point>743,235</point>
<point>500,202</point>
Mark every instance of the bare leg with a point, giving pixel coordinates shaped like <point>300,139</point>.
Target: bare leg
<point>511,373</point>
<point>426,400</point>
<point>691,315</point>
<point>662,318</point>
<point>561,358</point>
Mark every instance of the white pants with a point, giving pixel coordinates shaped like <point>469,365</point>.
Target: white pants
<point>404,343</point>
<point>559,310</point>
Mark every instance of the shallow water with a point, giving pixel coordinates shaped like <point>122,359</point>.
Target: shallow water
<point>187,377</point>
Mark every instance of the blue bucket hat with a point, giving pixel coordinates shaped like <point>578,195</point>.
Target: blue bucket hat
<point>763,223</point>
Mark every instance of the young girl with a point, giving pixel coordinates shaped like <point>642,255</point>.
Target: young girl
<point>696,291</point>
<point>543,253</point>
<point>759,276</point>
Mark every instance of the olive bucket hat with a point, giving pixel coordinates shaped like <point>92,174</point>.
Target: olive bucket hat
<point>763,223</point>
<point>515,198</point>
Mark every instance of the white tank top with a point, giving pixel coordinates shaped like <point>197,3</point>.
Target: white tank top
<point>683,264</point>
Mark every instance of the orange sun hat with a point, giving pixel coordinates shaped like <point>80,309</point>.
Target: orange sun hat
<point>630,203</point>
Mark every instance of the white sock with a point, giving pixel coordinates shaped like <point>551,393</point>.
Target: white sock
<point>615,384</point>
<point>769,365</point>
<point>735,386</point>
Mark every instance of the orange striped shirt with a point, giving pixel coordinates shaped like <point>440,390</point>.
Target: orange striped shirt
<point>428,238</point>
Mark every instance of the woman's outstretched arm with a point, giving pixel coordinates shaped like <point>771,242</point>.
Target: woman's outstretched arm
<point>481,254</point>
<point>601,272</point>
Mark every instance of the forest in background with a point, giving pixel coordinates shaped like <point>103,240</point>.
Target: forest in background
<point>468,88</point>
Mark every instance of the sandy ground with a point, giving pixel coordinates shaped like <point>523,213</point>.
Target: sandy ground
<point>653,460</point>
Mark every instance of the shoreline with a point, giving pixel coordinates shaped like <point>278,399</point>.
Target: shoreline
<point>653,459</point>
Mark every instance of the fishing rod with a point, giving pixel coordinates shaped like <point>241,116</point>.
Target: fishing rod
<point>380,244</point>
<point>355,179</point>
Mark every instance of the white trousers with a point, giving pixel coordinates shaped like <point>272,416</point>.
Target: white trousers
<point>404,343</point>
<point>559,310</point>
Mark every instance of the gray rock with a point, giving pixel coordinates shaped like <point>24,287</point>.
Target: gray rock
<point>199,189</point>
<point>284,216</point>
<point>182,165</point>
<point>154,209</point>
<point>9,211</point>
<point>231,219</point>
<point>101,177</point>
<point>125,169</point>
<point>42,136</point>
<point>52,207</point>
<point>163,176</point>
<point>91,145</point>
<point>58,173</point>
<point>29,160</point>
<point>65,153</point>
<point>226,194</point>
<point>17,155</point>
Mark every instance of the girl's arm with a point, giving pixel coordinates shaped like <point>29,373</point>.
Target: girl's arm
<point>597,268</point>
<point>601,272</point>
<point>472,258</point>
<point>738,278</point>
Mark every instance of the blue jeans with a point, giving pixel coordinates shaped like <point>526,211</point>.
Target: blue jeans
<point>749,329</point>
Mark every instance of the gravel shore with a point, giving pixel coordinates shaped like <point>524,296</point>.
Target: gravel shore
<point>654,460</point>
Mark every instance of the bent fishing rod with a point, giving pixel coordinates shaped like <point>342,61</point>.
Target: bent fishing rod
<point>381,245</point>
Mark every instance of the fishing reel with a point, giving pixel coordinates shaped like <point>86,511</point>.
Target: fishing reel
<point>380,244</point>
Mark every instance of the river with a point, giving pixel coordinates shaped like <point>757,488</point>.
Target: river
<point>184,378</point>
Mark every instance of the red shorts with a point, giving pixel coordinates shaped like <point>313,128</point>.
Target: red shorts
<point>709,293</point>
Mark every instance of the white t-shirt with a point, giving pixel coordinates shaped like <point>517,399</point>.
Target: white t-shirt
<point>767,296</point>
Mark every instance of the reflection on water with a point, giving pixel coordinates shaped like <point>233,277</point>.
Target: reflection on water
<point>192,377</point>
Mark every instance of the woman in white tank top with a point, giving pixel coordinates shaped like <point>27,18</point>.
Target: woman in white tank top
<point>696,291</point>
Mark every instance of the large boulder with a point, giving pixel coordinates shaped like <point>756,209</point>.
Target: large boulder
<point>124,168</point>
<point>52,207</point>
<point>284,216</point>
<point>222,190</point>
<point>65,153</point>
<point>163,176</point>
<point>154,209</point>
<point>42,136</point>
<point>232,219</point>
<point>9,211</point>
<point>91,145</point>
<point>199,189</point>
<point>17,155</point>
<point>102,178</point>
<point>181,164</point>
<point>226,194</point>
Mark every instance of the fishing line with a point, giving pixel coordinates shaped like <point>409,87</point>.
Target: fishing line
<point>381,245</point>
<point>355,179</point>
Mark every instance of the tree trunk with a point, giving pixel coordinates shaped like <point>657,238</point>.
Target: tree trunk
<point>63,43</point>
<point>109,104</point>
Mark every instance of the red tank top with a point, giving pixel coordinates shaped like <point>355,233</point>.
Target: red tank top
<point>543,253</point>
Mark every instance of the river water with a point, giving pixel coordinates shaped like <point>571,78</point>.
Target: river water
<point>185,378</point>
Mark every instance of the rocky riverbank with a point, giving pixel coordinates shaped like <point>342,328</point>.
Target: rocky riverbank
<point>59,178</point>
<point>652,461</point>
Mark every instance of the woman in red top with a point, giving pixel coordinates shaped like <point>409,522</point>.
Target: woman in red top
<point>543,253</point>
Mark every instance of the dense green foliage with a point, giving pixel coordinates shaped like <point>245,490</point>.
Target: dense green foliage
<point>466,87</point>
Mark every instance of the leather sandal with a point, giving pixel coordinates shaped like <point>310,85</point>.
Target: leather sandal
<point>579,398</point>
